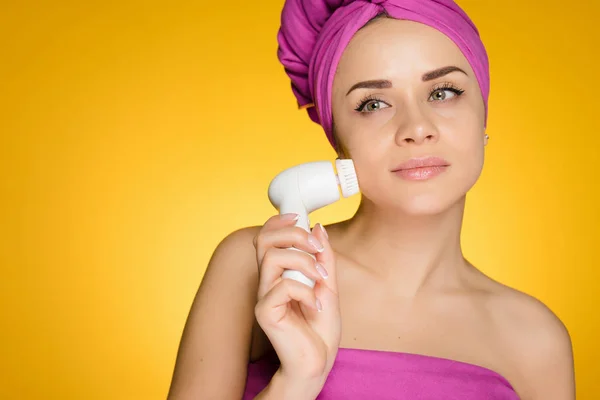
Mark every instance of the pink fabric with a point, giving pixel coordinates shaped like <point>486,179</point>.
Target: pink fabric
<point>368,374</point>
<point>314,33</point>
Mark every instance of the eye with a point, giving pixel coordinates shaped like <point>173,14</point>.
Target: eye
<point>374,105</point>
<point>446,92</point>
<point>371,104</point>
<point>442,95</point>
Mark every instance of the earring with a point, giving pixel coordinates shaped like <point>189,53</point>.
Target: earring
<point>487,136</point>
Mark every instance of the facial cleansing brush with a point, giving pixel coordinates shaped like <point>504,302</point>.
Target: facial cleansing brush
<point>307,187</point>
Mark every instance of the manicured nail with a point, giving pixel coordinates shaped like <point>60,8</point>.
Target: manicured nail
<point>314,242</point>
<point>319,305</point>
<point>289,217</point>
<point>323,229</point>
<point>322,271</point>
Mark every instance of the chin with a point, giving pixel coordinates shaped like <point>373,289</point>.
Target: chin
<point>432,198</point>
<point>428,204</point>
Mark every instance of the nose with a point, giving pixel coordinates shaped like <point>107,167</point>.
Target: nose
<point>415,127</point>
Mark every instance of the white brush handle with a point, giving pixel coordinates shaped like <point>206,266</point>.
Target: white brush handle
<point>297,275</point>
<point>304,223</point>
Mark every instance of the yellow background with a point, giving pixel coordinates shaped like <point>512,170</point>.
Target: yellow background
<point>135,135</point>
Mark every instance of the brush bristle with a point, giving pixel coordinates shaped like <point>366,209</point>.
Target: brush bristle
<point>347,177</point>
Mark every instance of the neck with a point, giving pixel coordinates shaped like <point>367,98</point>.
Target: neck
<point>411,252</point>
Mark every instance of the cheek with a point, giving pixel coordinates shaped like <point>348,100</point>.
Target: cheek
<point>468,153</point>
<point>464,142</point>
<point>465,115</point>
<point>466,131</point>
<point>371,161</point>
<point>365,144</point>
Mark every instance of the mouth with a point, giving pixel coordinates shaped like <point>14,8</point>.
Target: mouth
<point>418,169</point>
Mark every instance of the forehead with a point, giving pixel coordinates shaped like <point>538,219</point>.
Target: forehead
<point>397,49</point>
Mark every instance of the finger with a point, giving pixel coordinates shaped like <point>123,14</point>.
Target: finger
<point>273,306</point>
<point>285,237</point>
<point>326,259</point>
<point>277,260</point>
<point>280,220</point>
<point>275,222</point>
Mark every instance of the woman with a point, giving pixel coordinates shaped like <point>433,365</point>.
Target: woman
<point>401,88</point>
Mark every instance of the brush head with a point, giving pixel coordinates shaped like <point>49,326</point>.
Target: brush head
<point>347,177</point>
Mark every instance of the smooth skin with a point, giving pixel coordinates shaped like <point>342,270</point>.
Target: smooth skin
<point>397,278</point>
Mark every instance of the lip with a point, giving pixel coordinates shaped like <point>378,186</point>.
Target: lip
<point>422,162</point>
<point>423,168</point>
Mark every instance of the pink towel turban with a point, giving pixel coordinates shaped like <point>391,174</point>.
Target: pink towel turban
<point>314,33</point>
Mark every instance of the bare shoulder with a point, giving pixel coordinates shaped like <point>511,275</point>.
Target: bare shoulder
<point>241,239</point>
<point>238,244</point>
<point>235,254</point>
<point>220,323</point>
<point>536,342</point>
<point>531,321</point>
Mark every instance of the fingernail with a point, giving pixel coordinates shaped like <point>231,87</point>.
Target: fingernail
<point>314,242</point>
<point>323,229</point>
<point>322,271</point>
<point>289,216</point>
<point>319,305</point>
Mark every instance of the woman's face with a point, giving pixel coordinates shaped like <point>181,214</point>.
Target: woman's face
<point>409,112</point>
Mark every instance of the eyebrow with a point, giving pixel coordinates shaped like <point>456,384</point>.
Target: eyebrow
<point>374,84</point>
<point>386,84</point>
<point>441,72</point>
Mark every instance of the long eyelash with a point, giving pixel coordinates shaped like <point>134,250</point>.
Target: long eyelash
<point>447,86</point>
<point>363,102</point>
<point>442,86</point>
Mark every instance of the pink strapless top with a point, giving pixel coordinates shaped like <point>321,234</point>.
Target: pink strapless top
<point>382,375</point>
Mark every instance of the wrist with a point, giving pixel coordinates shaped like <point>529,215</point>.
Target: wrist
<point>284,388</point>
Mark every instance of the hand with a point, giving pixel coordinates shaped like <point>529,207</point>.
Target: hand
<point>302,324</point>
